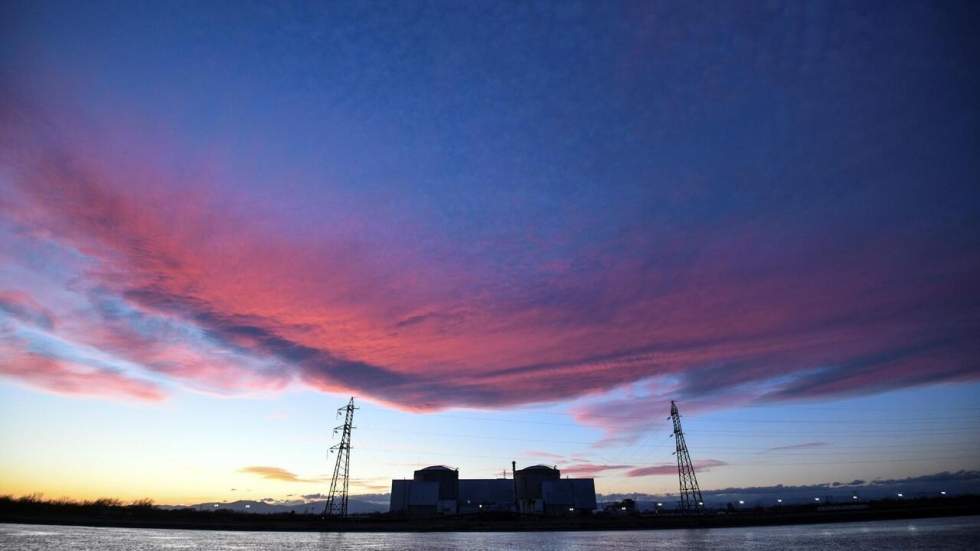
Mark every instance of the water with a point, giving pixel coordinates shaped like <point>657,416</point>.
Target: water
<point>961,533</point>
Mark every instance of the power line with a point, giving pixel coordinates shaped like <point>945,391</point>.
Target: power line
<point>803,408</point>
<point>896,452</point>
<point>708,431</point>
<point>975,417</point>
<point>892,421</point>
<point>752,464</point>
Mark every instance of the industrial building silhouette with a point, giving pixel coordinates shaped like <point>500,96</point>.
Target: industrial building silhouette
<point>539,489</point>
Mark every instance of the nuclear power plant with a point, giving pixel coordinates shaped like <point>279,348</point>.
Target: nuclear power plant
<point>538,489</point>
<point>534,490</point>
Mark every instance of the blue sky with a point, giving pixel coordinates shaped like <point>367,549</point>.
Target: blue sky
<point>512,231</point>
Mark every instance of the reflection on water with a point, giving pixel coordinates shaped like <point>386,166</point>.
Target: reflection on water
<point>961,533</point>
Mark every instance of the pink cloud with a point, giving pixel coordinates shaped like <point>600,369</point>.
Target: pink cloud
<point>591,469</point>
<point>22,306</point>
<point>670,469</point>
<point>66,377</point>
<point>543,454</point>
<point>624,420</point>
<point>197,281</point>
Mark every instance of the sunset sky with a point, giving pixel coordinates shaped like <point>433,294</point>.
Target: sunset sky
<point>511,230</point>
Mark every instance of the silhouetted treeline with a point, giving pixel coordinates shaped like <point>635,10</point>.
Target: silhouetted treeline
<point>36,502</point>
<point>35,505</point>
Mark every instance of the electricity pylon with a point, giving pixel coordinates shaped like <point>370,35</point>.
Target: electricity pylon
<point>691,500</point>
<point>337,499</point>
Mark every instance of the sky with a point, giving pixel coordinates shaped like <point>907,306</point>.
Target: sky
<point>513,231</point>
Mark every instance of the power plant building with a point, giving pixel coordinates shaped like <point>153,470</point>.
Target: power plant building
<point>538,489</point>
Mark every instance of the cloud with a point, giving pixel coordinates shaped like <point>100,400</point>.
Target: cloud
<point>543,454</point>
<point>625,419</point>
<point>209,284</point>
<point>963,475</point>
<point>71,377</point>
<point>276,473</point>
<point>591,469</point>
<point>671,468</point>
<point>23,307</point>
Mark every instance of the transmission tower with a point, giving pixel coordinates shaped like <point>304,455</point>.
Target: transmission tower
<point>337,499</point>
<point>691,500</point>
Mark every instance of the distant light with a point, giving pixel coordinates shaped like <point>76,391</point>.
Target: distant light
<point>623,508</point>
<point>816,499</point>
<point>779,501</point>
<point>901,494</point>
<point>660,504</point>
<point>943,492</point>
<point>740,502</point>
<point>480,506</point>
<point>216,505</point>
<point>700,503</point>
<point>247,506</point>
<point>573,508</point>
<point>854,497</point>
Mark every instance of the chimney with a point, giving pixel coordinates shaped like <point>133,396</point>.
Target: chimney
<point>513,474</point>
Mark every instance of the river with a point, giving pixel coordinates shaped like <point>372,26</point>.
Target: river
<point>959,533</point>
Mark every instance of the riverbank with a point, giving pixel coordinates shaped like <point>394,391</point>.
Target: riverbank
<point>148,517</point>
<point>948,534</point>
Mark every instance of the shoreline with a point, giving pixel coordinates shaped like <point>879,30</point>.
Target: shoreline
<point>384,523</point>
